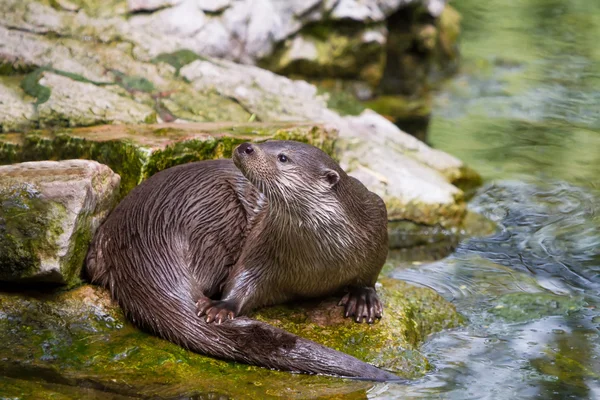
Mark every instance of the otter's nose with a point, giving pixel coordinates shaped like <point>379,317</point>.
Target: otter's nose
<point>245,148</point>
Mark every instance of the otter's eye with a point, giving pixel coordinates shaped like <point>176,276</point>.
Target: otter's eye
<point>282,158</point>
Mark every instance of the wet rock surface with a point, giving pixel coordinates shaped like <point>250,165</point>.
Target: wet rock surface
<point>77,343</point>
<point>48,213</point>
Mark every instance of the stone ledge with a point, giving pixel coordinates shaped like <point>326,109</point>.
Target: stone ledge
<point>136,152</point>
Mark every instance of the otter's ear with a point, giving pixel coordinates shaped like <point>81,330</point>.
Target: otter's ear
<point>331,177</point>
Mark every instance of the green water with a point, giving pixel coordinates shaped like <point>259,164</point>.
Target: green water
<point>524,111</point>
<point>527,101</point>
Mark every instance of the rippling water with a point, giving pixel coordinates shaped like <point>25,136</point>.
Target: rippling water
<point>525,112</point>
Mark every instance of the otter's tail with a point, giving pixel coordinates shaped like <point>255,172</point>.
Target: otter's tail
<point>253,342</point>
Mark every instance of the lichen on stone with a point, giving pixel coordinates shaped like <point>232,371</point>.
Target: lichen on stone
<point>26,230</point>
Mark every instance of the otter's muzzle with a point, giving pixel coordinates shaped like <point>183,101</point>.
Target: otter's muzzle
<point>244,153</point>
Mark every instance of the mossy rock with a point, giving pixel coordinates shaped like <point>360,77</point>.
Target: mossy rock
<point>136,152</point>
<point>347,50</point>
<point>76,342</point>
<point>48,214</point>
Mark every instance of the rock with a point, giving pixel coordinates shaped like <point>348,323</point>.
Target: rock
<point>69,99</point>
<point>137,152</point>
<point>271,97</point>
<point>78,339</point>
<point>248,29</point>
<point>322,51</point>
<point>48,213</point>
<point>418,183</point>
<point>412,178</point>
<point>521,307</point>
<point>16,113</point>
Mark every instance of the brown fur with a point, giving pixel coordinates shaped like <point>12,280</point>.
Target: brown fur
<point>194,246</point>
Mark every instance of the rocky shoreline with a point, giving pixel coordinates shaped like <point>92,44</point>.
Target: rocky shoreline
<point>95,97</point>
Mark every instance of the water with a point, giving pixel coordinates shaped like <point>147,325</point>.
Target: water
<point>525,112</point>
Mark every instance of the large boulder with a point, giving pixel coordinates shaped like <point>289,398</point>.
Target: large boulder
<point>78,344</point>
<point>48,213</point>
<point>52,78</point>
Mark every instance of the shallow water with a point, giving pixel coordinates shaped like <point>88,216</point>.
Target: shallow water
<point>525,112</point>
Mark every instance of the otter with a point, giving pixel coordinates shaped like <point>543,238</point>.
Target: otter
<point>195,247</point>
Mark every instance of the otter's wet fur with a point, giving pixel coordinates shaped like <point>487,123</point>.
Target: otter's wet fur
<point>196,245</point>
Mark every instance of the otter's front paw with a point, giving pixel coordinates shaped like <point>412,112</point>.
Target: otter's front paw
<point>362,303</point>
<point>215,310</point>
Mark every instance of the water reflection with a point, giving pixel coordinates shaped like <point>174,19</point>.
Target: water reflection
<point>530,292</point>
<point>525,112</point>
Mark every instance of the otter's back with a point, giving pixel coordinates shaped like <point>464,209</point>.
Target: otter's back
<point>179,231</point>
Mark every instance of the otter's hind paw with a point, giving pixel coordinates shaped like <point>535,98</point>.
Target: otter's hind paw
<point>362,304</point>
<point>215,310</point>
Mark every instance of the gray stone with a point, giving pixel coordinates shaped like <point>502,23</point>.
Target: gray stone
<point>15,110</point>
<point>242,30</point>
<point>49,211</point>
<point>269,96</point>
<point>413,178</point>
<point>81,104</point>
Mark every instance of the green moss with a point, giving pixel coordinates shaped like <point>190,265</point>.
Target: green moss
<point>9,152</point>
<point>340,52</point>
<point>133,83</point>
<point>178,59</point>
<point>340,100</point>
<point>122,157</point>
<point>180,153</point>
<point>78,338</point>
<point>446,215</point>
<point>137,152</point>
<point>411,314</point>
<point>467,180</point>
<point>78,249</point>
<point>28,229</point>
<point>30,85</point>
<point>18,68</point>
<point>95,8</point>
<point>449,29</point>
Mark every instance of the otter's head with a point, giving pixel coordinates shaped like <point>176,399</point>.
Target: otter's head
<point>289,172</point>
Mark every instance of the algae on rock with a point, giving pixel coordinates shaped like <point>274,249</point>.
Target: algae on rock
<point>79,337</point>
<point>48,213</point>
<point>136,152</point>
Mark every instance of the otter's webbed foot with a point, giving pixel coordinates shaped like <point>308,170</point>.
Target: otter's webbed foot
<point>215,310</point>
<point>362,303</point>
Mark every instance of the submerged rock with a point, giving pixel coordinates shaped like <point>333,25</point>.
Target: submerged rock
<point>520,307</point>
<point>48,213</point>
<point>79,341</point>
